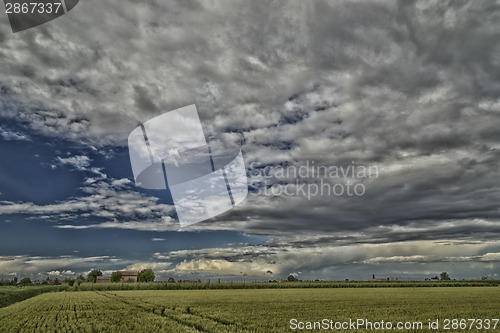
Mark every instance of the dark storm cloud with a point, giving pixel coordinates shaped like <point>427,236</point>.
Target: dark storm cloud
<point>410,88</point>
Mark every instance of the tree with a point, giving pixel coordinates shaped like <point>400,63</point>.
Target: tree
<point>171,280</point>
<point>92,276</point>
<point>69,281</point>
<point>14,281</point>
<point>292,278</point>
<point>146,275</point>
<point>445,276</point>
<point>80,279</point>
<point>25,281</point>
<point>116,277</point>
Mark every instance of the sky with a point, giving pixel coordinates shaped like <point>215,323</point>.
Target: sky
<point>392,108</point>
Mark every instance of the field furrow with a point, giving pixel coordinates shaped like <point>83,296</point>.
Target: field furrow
<point>247,310</point>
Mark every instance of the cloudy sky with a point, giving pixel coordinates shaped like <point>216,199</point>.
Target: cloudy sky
<point>400,99</point>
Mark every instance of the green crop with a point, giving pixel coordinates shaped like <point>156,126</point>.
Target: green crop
<point>244,310</point>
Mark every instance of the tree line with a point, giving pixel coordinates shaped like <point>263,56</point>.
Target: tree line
<point>146,275</point>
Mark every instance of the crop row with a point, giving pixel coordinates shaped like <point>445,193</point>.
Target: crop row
<point>265,310</point>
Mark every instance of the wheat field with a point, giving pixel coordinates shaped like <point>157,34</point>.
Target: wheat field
<point>245,310</point>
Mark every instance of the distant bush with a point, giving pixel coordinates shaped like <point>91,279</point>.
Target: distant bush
<point>26,281</point>
<point>116,277</point>
<point>69,281</point>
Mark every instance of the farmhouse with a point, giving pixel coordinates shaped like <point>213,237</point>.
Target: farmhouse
<point>102,279</point>
<point>128,276</point>
<point>379,279</point>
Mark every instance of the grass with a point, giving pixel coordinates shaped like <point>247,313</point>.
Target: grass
<point>10,295</point>
<point>245,310</point>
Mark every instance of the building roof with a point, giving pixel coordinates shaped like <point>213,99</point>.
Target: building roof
<point>128,273</point>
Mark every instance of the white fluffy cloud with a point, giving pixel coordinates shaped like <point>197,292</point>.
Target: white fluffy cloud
<point>78,162</point>
<point>107,199</point>
<point>38,266</point>
<point>10,135</point>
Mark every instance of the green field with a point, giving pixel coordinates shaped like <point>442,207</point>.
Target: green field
<point>245,310</point>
